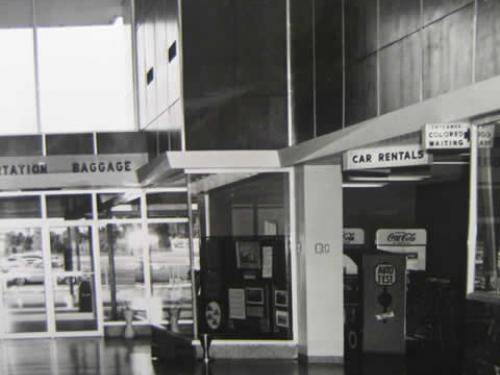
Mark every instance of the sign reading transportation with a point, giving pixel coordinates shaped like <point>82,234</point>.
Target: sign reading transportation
<point>70,170</point>
<point>386,157</point>
<point>446,136</point>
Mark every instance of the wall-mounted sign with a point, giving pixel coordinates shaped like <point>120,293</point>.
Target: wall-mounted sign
<point>485,135</point>
<point>385,274</point>
<point>453,135</point>
<point>411,242</point>
<point>70,171</point>
<point>401,237</point>
<point>386,157</point>
<point>354,236</point>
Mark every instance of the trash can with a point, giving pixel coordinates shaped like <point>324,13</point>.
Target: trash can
<point>85,296</point>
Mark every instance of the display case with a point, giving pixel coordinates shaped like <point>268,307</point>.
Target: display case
<point>245,288</point>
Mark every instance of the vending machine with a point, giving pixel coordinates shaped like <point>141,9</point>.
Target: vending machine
<point>384,303</point>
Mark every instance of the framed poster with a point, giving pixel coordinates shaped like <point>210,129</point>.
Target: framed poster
<point>280,298</point>
<point>248,255</point>
<point>282,319</point>
<point>236,299</point>
<point>254,296</point>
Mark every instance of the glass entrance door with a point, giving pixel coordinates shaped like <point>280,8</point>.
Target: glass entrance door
<point>22,281</point>
<point>73,278</point>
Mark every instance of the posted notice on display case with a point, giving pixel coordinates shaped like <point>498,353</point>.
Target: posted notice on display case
<point>267,262</point>
<point>237,304</point>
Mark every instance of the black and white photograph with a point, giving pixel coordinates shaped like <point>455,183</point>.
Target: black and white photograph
<point>219,187</point>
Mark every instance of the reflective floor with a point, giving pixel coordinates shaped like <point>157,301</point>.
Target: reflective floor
<point>92,356</point>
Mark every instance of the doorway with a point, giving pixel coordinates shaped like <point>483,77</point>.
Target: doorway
<point>46,290</point>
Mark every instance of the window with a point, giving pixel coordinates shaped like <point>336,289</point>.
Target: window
<point>484,259</point>
<point>17,69</point>
<point>84,63</point>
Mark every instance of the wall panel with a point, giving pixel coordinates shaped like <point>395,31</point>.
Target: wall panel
<point>488,39</point>
<point>436,9</point>
<point>329,82</point>
<point>361,90</point>
<point>360,28</point>
<point>447,48</point>
<point>398,18</point>
<point>302,69</point>
<point>400,74</point>
<point>141,73</point>
<point>150,68</point>
<point>161,55</point>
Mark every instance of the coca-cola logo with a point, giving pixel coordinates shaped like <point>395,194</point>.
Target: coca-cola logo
<point>349,236</point>
<point>402,237</point>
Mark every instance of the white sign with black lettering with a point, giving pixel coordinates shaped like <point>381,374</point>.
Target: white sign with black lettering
<point>486,135</point>
<point>441,136</point>
<point>354,236</point>
<point>411,242</point>
<point>385,274</point>
<point>386,157</point>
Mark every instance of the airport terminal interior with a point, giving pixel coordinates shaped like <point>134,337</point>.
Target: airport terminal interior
<point>250,187</point>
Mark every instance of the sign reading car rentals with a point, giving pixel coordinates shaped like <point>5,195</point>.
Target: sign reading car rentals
<point>411,242</point>
<point>440,136</point>
<point>386,157</point>
<point>354,236</point>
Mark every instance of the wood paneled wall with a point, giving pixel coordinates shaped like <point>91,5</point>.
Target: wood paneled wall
<point>423,48</point>
<point>351,60</point>
<point>235,74</point>
<point>371,57</point>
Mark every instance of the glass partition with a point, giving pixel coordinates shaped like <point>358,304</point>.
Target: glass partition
<point>170,270</point>
<point>243,286</point>
<point>143,264</point>
<point>118,206</point>
<point>22,277</point>
<point>484,256</point>
<point>73,281</point>
<point>122,275</point>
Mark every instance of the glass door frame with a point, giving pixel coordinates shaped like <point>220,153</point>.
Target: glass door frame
<point>23,224</point>
<point>44,223</point>
<point>45,226</point>
<point>57,223</point>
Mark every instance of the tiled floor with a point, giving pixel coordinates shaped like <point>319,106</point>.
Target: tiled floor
<point>99,357</point>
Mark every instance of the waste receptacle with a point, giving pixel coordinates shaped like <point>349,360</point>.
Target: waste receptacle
<point>85,296</point>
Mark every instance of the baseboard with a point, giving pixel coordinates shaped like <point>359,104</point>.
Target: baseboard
<point>321,359</point>
<point>239,350</point>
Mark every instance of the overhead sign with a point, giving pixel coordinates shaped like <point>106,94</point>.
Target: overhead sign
<point>386,157</point>
<point>38,172</point>
<point>446,136</point>
<point>354,236</point>
<point>411,242</point>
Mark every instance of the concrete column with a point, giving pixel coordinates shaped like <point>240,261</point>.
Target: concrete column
<point>318,190</point>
